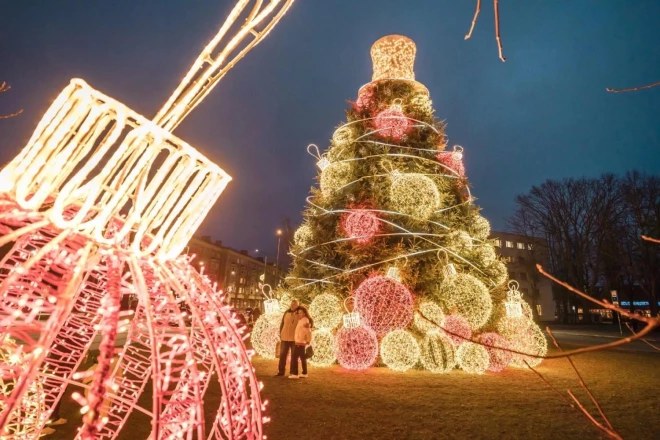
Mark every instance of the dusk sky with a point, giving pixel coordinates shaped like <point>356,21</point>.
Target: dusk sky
<point>544,114</point>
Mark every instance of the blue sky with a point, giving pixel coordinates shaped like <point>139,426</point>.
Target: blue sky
<point>543,114</point>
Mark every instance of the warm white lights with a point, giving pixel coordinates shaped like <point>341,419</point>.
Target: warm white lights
<point>468,296</point>
<point>399,350</point>
<point>393,57</point>
<point>437,353</point>
<point>323,343</point>
<point>472,358</point>
<point>326,311</point>
<point>414,194</point>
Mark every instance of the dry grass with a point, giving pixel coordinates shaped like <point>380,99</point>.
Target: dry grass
<point>381,404</point>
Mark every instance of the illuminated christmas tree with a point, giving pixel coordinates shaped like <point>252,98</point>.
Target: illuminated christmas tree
<point>392,224</point>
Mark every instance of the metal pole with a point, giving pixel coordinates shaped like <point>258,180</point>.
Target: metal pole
<point>277,263</point>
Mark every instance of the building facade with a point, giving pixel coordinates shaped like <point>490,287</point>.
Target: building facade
<point>235,272</point>
<point>521,256</point>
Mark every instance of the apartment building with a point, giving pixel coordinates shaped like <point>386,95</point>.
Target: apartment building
<point>521,255</point>
<point>235,272</point>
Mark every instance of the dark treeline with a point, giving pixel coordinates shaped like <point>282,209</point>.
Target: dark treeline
<point>593,229</point>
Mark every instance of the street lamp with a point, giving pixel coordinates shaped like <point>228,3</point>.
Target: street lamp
<point>277,261</point>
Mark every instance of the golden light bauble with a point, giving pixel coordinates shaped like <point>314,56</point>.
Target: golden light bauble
<point>421,103</point>
<point>414,194</point>
<point>437,353</point>
<point>265,335</point>
<point>499,272</point>
<point>326,311</point>
<point>468,296</point>
<point>303,236</point>
<point>343,136</point>
<point>531,341</point>
<point>472,358</point>
<point>323,343</point>
<point>334,177</point>
<point>480,228</point>
<point>432,311</point>
<point>399,350</point>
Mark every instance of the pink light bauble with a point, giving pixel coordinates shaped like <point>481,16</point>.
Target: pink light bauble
<point>460,326</point>
<point>452,160</point>
<point>361,225</point>
<point>392,123</point>
<point>366,99</point>
<point>499,359</point>
<point>384,304</point>
<point>356,348</point>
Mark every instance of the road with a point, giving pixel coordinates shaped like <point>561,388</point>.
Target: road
<point>582,337</point>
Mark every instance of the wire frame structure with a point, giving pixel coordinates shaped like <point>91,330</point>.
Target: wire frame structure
<point>99,205</point>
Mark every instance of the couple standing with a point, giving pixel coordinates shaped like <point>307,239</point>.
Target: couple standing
<point>295,335</point>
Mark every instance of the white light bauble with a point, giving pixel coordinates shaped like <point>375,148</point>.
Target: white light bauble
<point>399,350</point>
<point>468,296</point>
<point>303,235</point>
<point>265,335</point>
<point>480,228</point>
<point>432,312</point>
<point>323,343</point>
<point>437,353</point>
<point>531,341</point>
<point>326,311</point>
<point>414,194</point>
<point>472,358</point>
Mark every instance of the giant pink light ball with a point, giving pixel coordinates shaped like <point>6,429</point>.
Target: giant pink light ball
<point>384,304</point>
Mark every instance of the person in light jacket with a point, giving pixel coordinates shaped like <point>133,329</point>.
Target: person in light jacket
<point>287,337</point>
<point>303,337</point>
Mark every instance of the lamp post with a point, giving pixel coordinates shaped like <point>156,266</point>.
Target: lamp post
<point>277,261</point>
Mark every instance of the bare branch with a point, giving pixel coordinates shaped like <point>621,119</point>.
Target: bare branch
<point>655,347</point>
<point>608,432</point>
<point>633,89</point>
<point>496,5</point>
<point>650,239</point>
<point>3,88</point>
<point>474,19</point>
<point>568,402</point>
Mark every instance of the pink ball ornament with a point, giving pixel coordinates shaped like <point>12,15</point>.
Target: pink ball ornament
<point>499,359</point>
<point>453,160</point>
<point>392,123</point>
<point>356,348</point>
<point>366,100</point>
<point>384,304</point>
<point>361,225</point>
<point>460,326</point>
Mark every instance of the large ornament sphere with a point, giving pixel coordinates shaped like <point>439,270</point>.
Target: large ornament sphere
<point>531,341</point>
<point>432,312</point>
<point>334,177</point>
<point>399,350</point>
<point>393,124</point>
<point>414,194</point>
<point>499,272</point>
<point>326,311</point>
<point>421,103</point>
<point>437,353</point>
<point>496,346</point>
<point>468,296</point>
<point>303,236</point>
<point>460,327</point>
<point>343,136</point>
<point>323,343</point>
<point>472,358</point>
<point>361,225</point>
<point>356,348</point>
<point>480,228</point>
<point>265,335</point>
<point>454,161</point>
<point>484,255</point>
<point>384,304</point>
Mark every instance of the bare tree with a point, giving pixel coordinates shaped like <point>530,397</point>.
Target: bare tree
<point>3,88</point>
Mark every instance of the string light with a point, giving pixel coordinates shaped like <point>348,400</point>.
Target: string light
<point>472,358</point>
<point>361,225</point>
<point>399,350</point>
<point>392,123</point>
<point>499,357</point>
<point>437,353</point>
<point>326,311</point>
<point>384,304</point>
<point>468,296</point>
<point>99,204</point>
<point>356,348</point>
<point>414,194</point>
<point>431,311</point>
<point>323,343</point>
<point>457,325</point>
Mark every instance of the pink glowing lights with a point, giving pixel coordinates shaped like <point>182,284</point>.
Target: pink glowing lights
<point>392,123</point>
<point>453,160</point>
<point>361,225</point>
<point>499,359</point>
<point>356,348</point>
<point>459,326</point>
<point>384,304</point>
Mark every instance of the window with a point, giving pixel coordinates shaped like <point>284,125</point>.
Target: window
<point>538,309</point>
<point>530,247</point>
<point>521,245</point>
<point>241,281</point>
<point>508,259</point>
<point>509,244</point>
<point>240,290</point>
<point>523,276</point>
<point>498,242</point>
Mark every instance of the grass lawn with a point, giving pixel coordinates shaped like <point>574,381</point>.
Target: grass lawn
<point>334,403</point>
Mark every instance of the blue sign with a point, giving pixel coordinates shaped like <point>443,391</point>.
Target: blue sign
<point>637,303</point>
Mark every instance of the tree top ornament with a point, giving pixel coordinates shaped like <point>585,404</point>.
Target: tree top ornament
<point>393,58</point>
